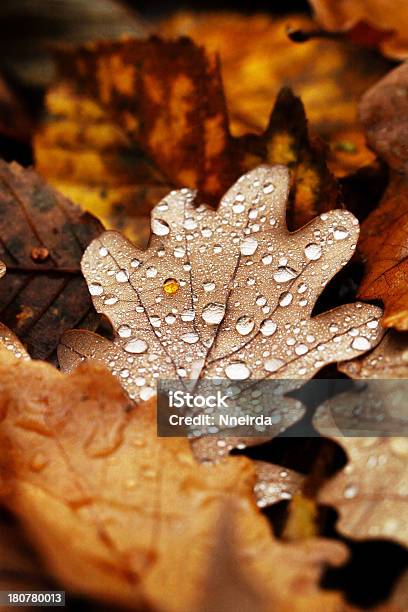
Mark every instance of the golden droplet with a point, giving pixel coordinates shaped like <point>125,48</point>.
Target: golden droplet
<point>170,286</point>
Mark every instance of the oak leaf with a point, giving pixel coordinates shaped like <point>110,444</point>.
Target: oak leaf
<point>383,241</point>
<point>168,96</point>
<point>92,161</point>
<point>388,360</point>
<point>258,58</point>
<point>113,509</point>
<point>370,494</point>
<point>42,238</point>
<point>222,294</point>
<point>371,21</point>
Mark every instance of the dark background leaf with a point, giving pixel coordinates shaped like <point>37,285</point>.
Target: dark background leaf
<point>42,238</point>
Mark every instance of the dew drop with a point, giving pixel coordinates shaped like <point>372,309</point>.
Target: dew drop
<point>95,289</point>
<point>190,224</point>
<point>136,346</point>
<point>210,286</point>
<point>268,327</point>
<point>146,393</point>
<point>313,251</point>
<point>284,274</point>
<point>190,338</point>
<point>124,373</point>
<point>361,344</point>
<point>274,364</point>
<point>135,263</point>
<point>301,349</point>
<point>350,491</point>
<point>248,246</point>
<point>179,252</point>
<point>170,319</point>
<point>285,299</point>
<point>268,188</point>
<point>151,272</point>
<point>122,276</point>
<point>267,259</point>
<point>155,321</point>
<point>245,325</point>
<point>124,331</point>
<point>238,207</point>
<point>171,286</point>
<point>103,251</point>
<point>110,300</point>
<point>340,233</point>
<point>160,227</point>
<point>237,371</point>
<point>188,315</point>
<point>261,300</point>
<point>213,313</point>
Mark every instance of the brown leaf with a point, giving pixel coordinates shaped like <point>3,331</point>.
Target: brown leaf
<point>371,21</point>
<point>383,240</point>
<point>286,141</point>
<point>388,360</point>
<point>370,494</point>
<point>168,96</point>
<point>94,163</point>
<point>114,510</point>
<point>190,306</point>
<point>42,238</point>
<point>258,58</point>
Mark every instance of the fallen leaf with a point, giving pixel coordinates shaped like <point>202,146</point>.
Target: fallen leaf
<point>388,360</point>
<point>258,58</point>
<point>94,163</point>
<point>370,493</point>
<point>222,294</point>
<point>168,96</point>
<point>42,237</point>
<point>373,21</point>
<point>383,241</point>
<point>286,141</point>
<point>113,509</point>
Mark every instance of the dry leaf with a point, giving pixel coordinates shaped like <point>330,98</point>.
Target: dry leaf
<point>258,58</point>
<point>94,163</point>
<point>286,141</point>
<point>376,21</point>
<point>383,240</point>
<point>168,96</point>
<point>114,510</point>
<point>42,240</point>
<point>388,360</point>
<point>370,493</point>
<point>223,294</point>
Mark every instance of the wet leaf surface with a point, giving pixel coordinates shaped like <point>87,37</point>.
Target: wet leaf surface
<point>42,238</point>
<point>113,509</point>
<point>370,493</point>
<point>223,294</point>
<point>383,241</point>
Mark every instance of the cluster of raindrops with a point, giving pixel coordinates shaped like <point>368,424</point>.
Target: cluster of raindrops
<point>227,293</point>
